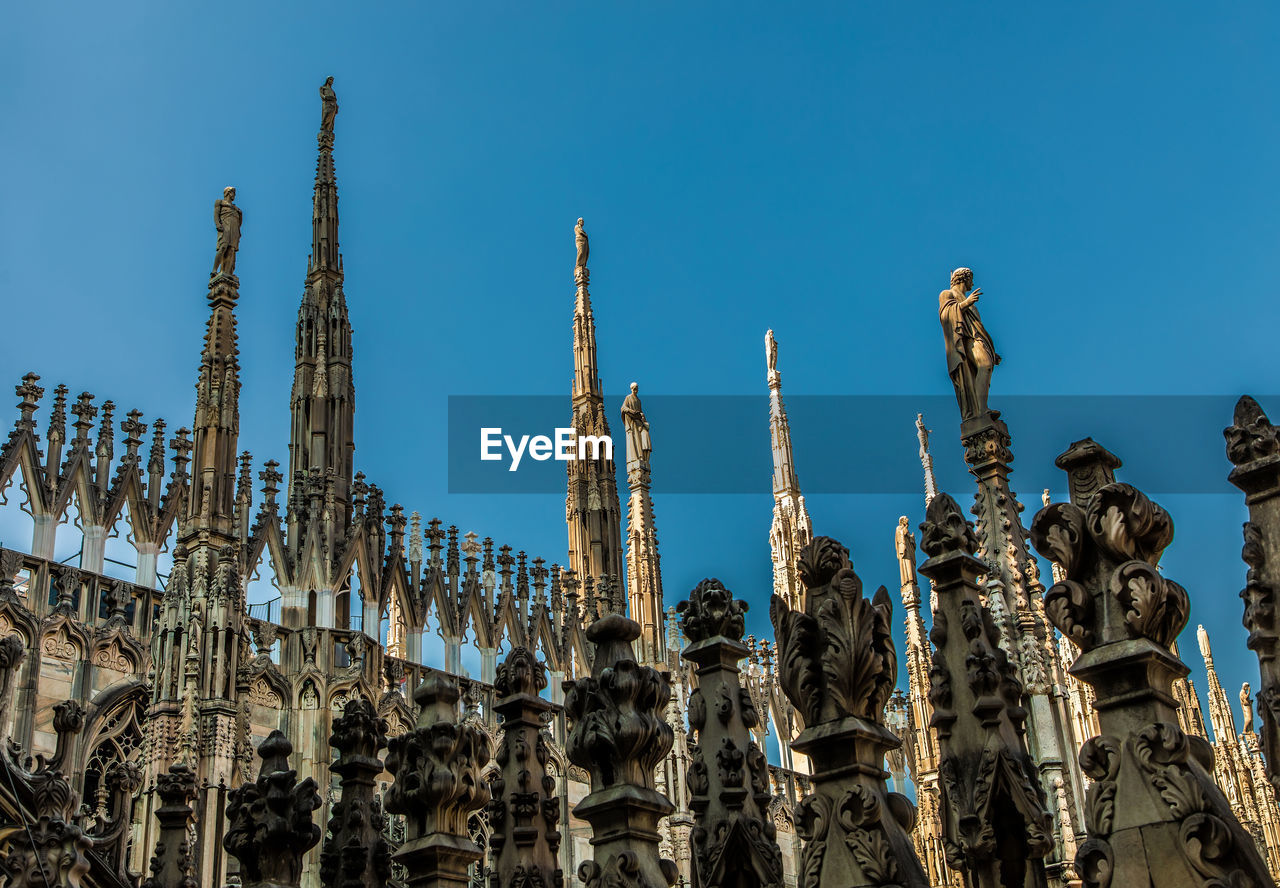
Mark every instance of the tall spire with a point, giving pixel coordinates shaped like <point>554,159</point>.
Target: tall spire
<point>592,508</point>
<point>792,529</point>
<point>644,570</point>
<point>926,460</point>
<point>322,437</point>
<point>1220,715</point>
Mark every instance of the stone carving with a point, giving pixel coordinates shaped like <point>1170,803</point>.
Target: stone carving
<point>11,654</point>
<point>269,825</point>
<point>1246,709</point>
<point>172,864</point>
<point>639,445</point>
<point>1153,795</point>
<point>837,666</point>
<point>438,769</point>
<point>1253,447</point>
<point>770,352</point>
<point>618,734</point>
<point>227,218</point>
<point>995,822</point>
<point>525,811</point>
<point>356,853</point>
<point>51,850</point>
<point>734,839</point>
<point>971,356</point>
<point>904,543</point>
<point>329,106</point>
<point>583,245</point>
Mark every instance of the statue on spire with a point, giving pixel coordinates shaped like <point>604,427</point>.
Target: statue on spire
<point>584,247</point>
<point>226,219</point>
<point>771,351</point>
<point>329,109</point>
<point>638,444</point>
<point>971,355</point>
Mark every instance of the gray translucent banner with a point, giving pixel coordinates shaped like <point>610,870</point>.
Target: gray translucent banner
<point>842,443</point>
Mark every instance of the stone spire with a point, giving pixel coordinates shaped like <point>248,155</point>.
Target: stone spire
<point>791,530</point>
<point>1152,795</point>
<point>837,665</point>
<point>926,460</point>
<point>592,508</point>
<point>995,819</point>
<point>356,854</point>
<point>322,434</point>
<point>644,569</point>
<point>1220,715</point>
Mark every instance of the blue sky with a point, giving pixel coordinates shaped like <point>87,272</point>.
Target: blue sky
<point>1108,170</point>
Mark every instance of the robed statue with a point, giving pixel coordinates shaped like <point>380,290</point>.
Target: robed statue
<point>905,544</point>
<point>771,351</point>
<point>584,247</point>
<point>971,356</point>
<point>1246,708</point>
<point>226,218</point>
<point>329,108</point>
<point>638,444</point>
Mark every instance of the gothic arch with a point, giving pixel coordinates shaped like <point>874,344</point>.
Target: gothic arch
<point>113,736</point>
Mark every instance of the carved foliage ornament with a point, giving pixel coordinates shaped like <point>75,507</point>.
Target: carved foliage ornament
<point>1117,538</point>
<point>836,657</point>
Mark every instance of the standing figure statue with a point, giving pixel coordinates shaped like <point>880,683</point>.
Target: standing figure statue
<point>771,351</point>
<point>971,356</point>
<point>638,444</point>
<point>905,545</point>
<point>584,247</point>
<point>226,218</point>
<point>1246,707</point>
<point>329,110</point>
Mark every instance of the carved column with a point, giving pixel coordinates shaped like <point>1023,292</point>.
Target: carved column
<point>269,826</point>
<point>525,811</point>
<point>734,839</point>
<point>837,665</point>
<point>173,865</point>
<point>355,853</point>
<point>438,784</point>
<point>997,829</point>
<point>1254,448</point>
<point>1153,812</point>
<point>619,736</point>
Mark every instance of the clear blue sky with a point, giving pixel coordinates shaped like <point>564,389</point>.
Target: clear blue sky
<point>1108,170</point>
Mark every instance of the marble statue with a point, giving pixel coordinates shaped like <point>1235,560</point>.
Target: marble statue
<point>584,247</point>
<point>771,351</point>
<point>226,218</point>
<point>923,435</point>
<point>1246,707</point>
<point>329,109</point>
<point>971,355</point>
<point>905,545</point>
<point>638,444</point>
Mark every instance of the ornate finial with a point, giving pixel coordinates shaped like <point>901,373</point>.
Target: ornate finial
<point>978,717</point>
<point>735,840</point>
<point>227,219</point>
<point>173,863</point>
<point>971,356</point>
<point>945,529</point>
<point>837,666</point>
<point>525,811</point>
<point>438,769</point>
<point>269,820</point>
<point>30,393</point>
<point>619,735</point>
<point>1123,613</point>
<point>711,611</point>
<point>356,853</point>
